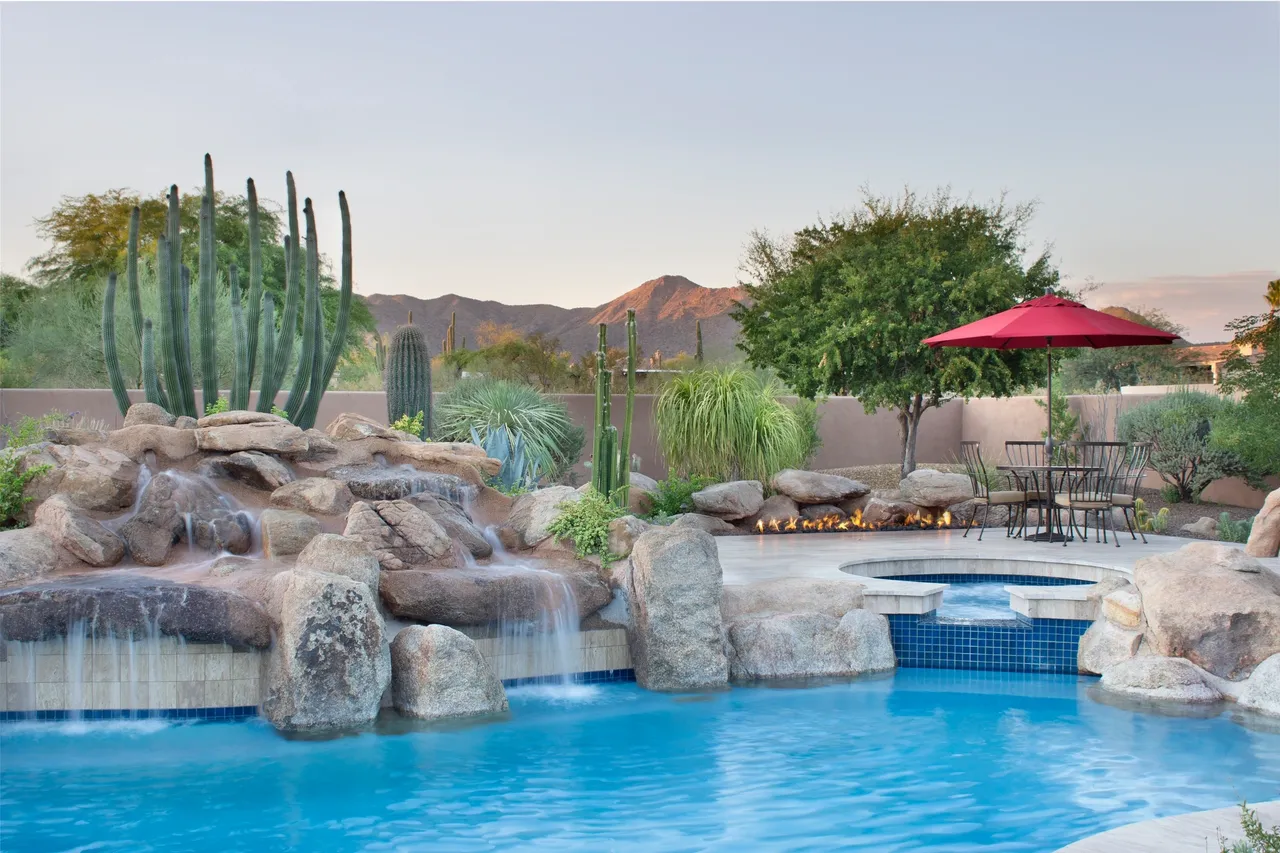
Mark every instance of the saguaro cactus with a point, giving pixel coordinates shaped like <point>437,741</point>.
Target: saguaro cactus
<point>697,331</point>
<point>450,334</point>
<point>408,377</point>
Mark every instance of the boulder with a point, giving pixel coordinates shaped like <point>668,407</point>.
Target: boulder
<point>464,461</point>
<point>1264,538</point>
<point>879,512</point>
<point>74,435</point>
<point>532,513</point>
<point>400,535</point>
<point>147,413</point>
<point>1162,678</point>
<point>640,496</point>
<point>623,533</point>
<point>676,637</point>
<point>811,487</point>
<point>123,603</point>
<point>1104,645</point>
<point>705,523</point>
<point>239,416</point>
<point>229,564</point>
<point>186,422</point>
<point>269,437</point>
<point>254,469</point>
<point>832,598</point>
<point>1204,526</point>
<point>314,494</point>
<point>390,483</point>
<point>480,595</point>
<point>340,555</point>
<point>776,509</point>
<point>350,426</point>
<point>318,446</point>
<point>331,662</point>
<point>1211,604</point>
<point>437,672</point>
<point>25,554</point>
<point>99,478</point>
<point>455,522</point>
<point>1123,607</point>
<point>926,487</point>
<point>174,508</point>
<point>172,443</point>
<point>853,506</point>
<point>730,501</point>
<point>83,537</point>
<point>286,531</point>
<point>819,512</point>
<point>800,645</point>
<point>1262,691</point>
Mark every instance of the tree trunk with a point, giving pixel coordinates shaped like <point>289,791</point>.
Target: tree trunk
<point>909,431</point>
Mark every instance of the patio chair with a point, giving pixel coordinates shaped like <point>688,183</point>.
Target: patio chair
<point>1126,487</point>
<point>1091,471</point>
<point>1031,455</point>
<point>980,478</point>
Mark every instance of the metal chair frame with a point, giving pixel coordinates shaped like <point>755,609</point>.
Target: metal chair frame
<point>971,454</point>
<point>1136,458</point>
<point>1092,469</point>
<point>1030,454</point>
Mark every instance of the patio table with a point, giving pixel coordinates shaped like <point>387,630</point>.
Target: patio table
<point>1047,471</point>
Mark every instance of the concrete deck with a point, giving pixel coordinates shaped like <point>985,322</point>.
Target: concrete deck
<point>1196,832</point>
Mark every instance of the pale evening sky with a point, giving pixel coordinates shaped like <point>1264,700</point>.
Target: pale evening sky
<point>566,153</point>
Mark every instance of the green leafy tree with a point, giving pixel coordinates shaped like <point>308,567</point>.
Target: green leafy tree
<point>1178,427</point>
<point>1249,429</point>
<point>842,307</point>
<point>1094,370</point>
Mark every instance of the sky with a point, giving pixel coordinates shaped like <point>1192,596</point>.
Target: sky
<point>567,153</point>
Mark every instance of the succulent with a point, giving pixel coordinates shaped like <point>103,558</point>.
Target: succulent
<point>518,472</point>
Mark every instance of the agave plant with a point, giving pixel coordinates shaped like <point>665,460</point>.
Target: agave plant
<point>518,470</point>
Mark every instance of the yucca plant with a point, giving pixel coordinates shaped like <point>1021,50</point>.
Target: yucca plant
<point>728,424</point>
<point>551,438</point>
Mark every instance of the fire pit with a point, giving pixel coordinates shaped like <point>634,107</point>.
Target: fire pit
<point>833,523</point>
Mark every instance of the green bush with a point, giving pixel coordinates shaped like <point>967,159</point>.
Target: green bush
<point>1170,494</point>
<point>586,522</point>
<point>553,441</point>
<point>729,424</point>
<point>674,495</point>
<point>411,425</point>
<point>1234,531</point>
<point>217,407</point>
<point>1178,426</point>
<point>1258,839</point>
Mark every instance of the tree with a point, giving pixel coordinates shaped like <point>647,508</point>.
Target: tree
<point>1249,429</point>
<point>1089,370</point>
<point>842,308</point>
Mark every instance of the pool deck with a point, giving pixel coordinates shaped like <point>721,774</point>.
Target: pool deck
<point>1196,832</point>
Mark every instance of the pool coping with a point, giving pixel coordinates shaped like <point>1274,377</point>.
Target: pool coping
<point>1194,832</point>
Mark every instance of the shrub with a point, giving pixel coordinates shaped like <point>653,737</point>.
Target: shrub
<point>729,424</point>
<point>586,522</point>
<point>13,486</point>
<point>1234,531</point>
<point>553,441</point>
<point>217,407</point>
<point>1170,494</point>
<point>1178,427</point>
<point>411,425</point>
<point>1258,839</point>
<point>674,495</point>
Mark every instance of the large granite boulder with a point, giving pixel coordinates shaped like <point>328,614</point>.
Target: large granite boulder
<point>1262,691</point>
<point>927,487</point>
<point>1104,645</point>
<point>1161,678</point>
<point>1211,604</point>
<point>479,595</point>
<point>464,461</point>
<point>1264,538</point>
<point>171,443</point>
<point>340,555</point>
<point>623,533</point>
<point>1204,526</point>
<point>400,535</point>
<point>640,496</point>
<point>237,417</point>
<point>776,510</point>
<point>437,672</point>
<point>331,661</point>
<point>94,478</point>
<point>286,531</point>
<point>532,513</point>
<point>879,512</point>
<point>800,645</point>
<point>455,522</point>
<point>1123,607</point>
<point>83,537</point>
<point>390,483</point>
<point>174,507</point>
<point>318,495</point>
<point>25,554</point>
<point>256,470</point>
<point>705,523</point>
<point>677,636</point>
<point>123,603</point>
<point>350,426</point>
<point>730,501</point>
<point>148,413</point>
<point>267,436</point>
<point>811,487</point>
<point>832,598</point>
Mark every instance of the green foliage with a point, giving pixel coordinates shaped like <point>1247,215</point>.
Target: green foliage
<point>1170,494</point>
<point>409,376</point>
<point>279,412</point>
<point>842,307</point>
<point>1258,839</point>
<point>1178,427</point>
<point>674,495</point>
<point>13,485</point>
<point>218,406</point>
<point>806,412</point>
<point>1087,371</point>
<point>28,430</point>
<point>553,440</point>
<point>519,473</point>
<point>1066,424</point>
<point>728,424</point>
<point>586,522</point>
<point>412,425</point>
<point>1149,522</point>
<point>1249,429</point>
<point>1234,531</point>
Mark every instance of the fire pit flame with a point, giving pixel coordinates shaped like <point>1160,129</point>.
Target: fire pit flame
<point>833,523</point>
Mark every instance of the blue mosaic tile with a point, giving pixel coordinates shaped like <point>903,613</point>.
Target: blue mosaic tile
<point>601,676</point>
<point>1002,645</point>
<point>1017,580</point>
<point>209,715</point>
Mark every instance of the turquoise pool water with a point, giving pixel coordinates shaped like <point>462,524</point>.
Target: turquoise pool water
<point>923,760</point>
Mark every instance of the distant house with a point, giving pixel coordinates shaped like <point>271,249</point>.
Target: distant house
<point>1209,358</point>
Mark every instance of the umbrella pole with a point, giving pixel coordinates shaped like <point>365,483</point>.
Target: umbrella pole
<point>1048,439</point>
<point>1048,444</point>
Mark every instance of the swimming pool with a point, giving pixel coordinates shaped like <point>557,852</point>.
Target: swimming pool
<point>921,760</point>
<point>981,596</point>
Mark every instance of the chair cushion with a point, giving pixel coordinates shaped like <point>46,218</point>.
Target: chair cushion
<point>1065,500</point>
<point>1121,500</point>
<point>1006,497</point>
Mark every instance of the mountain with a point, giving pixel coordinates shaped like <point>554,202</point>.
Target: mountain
<point>666,310</point>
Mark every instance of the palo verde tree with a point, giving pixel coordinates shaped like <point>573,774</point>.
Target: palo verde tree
<point>842,307</point>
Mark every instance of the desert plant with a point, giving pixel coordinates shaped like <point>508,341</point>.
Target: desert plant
<point>519,473</point>
<point>586,522</point>
<point>1066,425</point>
<point>551,438</point>
<point>611,459</point>
<point>412,425</point>
<point>1178,427</point>
<point>1230,530</point>
<point>674,495</point>
<point>697,344</point>
<point>218,406</point>
<point>1149,522</point>
<point>1170,494</point>
<point>728,424</point>
<point>409,376</point>
<point>1257,838</point>
<point>13,485</point>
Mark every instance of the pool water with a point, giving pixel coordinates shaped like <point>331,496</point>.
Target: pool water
<point>924,760</point>
<point>983,600</point>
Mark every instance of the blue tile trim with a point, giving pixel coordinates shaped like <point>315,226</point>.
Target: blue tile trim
<point>1016,580</point>
<point>600,676</point>
<point>1001,645</point>
<point>239,712</point>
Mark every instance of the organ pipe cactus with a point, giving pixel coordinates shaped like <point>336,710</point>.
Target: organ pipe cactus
<point>109,354</point>
<point>273,373</point>
<point>208,280</point>
<point>408,378</point>
<point>150,377</point>
<point>624,442</point>
<point>605,453</point>
<point>310,321</point>
<point>253,311</point>
<point>240,376</point>
<point>327,358</point>
<point>131,280</point>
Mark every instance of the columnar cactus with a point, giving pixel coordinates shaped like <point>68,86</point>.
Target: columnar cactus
<point>624,444</point>
<point>604,459</point>
<point>208,283</point>
<point>273,372</point>
<point>150,377</point>
<point>131,282</point>
<point>697,331</point>
<point>109,354</point>
<point>447,345</point>
<point>408,378</point>
<point>240,376</point>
